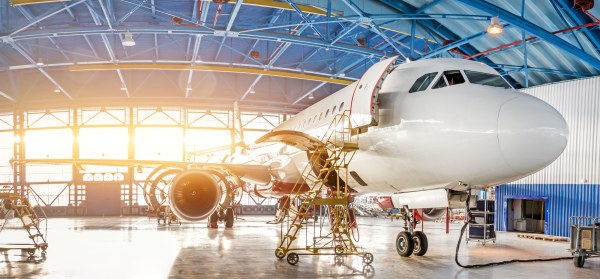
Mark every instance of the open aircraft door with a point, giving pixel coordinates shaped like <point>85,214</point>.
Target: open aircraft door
<point>364,108</point>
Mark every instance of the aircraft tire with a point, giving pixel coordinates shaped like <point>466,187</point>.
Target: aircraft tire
<point>213,219</point>
<point>578,261</point>
<point>229,216</point>
<point>421,243</point>
<point>404,244</point>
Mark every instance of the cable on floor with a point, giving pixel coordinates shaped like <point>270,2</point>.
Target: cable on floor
<point>462,231</point>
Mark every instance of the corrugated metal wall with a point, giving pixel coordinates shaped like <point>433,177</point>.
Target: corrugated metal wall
<point>579,103</point>
<point>562,201</point>
<point>571,185</point>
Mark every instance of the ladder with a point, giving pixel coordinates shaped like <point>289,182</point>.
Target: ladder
<point>327,165</point>
<point>33,220</point>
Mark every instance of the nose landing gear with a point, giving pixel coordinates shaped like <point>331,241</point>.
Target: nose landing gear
<point>409,241</point>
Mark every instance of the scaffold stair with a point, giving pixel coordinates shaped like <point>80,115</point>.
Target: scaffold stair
<point>329,160</point>
<point>33,221</point>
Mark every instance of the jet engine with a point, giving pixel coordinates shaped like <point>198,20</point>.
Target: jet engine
<point>194,195</point>
<point>432,214</point>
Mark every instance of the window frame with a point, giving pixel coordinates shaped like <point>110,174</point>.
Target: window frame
<point>428,85</point>
<point>496,75</point>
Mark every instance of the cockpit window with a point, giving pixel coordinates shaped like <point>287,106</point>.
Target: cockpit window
<point>486,79</point>
<point>422,83</point>
<point>449,78</point>
<point>440,83</point>
<point>454,77</point>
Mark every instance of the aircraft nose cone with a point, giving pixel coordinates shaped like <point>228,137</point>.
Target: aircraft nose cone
<point>531,134</point>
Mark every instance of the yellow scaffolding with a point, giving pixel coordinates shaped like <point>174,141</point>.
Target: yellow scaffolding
<point>325,174</point>
<point>33,220</point>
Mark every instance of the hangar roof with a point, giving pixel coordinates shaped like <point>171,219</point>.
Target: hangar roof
<point>269,55</point>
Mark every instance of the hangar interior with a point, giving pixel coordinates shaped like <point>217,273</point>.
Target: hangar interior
<point>191,81</point>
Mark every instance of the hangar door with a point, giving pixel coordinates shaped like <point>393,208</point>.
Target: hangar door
<point>103,198</point>
<point>526,215</point>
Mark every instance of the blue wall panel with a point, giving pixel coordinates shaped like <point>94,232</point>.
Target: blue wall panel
<point>562,202</point>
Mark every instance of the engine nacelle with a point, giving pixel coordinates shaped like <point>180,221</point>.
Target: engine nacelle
<point>432,214</point>
<point>194,195</point>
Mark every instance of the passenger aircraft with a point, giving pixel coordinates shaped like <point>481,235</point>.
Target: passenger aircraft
<point>429,131</point>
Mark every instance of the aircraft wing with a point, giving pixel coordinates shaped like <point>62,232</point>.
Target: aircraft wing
<point>255,173</point>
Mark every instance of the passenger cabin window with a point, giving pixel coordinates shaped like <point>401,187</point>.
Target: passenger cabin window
<point>486,79</point>
<point>422,83</point>
<point>449,78</point>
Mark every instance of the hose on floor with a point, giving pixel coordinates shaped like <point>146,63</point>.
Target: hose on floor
<point>462,232</point>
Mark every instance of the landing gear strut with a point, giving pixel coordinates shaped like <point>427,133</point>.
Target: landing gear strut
<point>226,215</point>
<point>410,241</point>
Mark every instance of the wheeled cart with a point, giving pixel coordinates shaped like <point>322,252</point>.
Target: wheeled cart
<point>481,227</point>
<point>585,238</point>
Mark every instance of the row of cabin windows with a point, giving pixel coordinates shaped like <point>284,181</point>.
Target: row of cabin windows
<point>312,120</point>
<point>453,77</point>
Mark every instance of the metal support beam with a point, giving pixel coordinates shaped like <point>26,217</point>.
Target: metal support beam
<point>25,12</point>
<point>427,6</point>
<point>33,62</point>
<point>236,9</point>
<point>535,30</point>
<point>193,60</point>
<point>373,26</point>
<point>251,87</point>
<point>135,8</point>
<point>519,68</point>
<point>156,46</point>
<point>309,92</point>
<point>274,17</point>
<point>7,96</point>
<point>524,45</point>
<point>45,16</point>
<point>213,68</point>
<point>568,22</point>
<point>579,19</point>
<point>342,71</point>
<point>123,84</point>
<point>234,14</point>
<point>344,33</point>
<point>440,30</point>
<point>192,30</point>
<point>92,48</point>
<point>455,44</point>
<point>305,19</point>
<point>106,15</point>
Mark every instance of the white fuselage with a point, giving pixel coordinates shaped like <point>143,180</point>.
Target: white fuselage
<point>458,136</point>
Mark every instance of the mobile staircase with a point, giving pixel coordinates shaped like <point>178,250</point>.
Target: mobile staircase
<point>32,220</point>
<point>325,174</point>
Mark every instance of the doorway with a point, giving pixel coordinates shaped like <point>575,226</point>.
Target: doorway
<point>103,198</point>
<point>526,215</point>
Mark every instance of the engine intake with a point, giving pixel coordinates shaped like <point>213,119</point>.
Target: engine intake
<point>432,214</point>
<point>194,195</point>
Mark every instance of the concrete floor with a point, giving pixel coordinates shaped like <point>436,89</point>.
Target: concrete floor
<point>136,247</point>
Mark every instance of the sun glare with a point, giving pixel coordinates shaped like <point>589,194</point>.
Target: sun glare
<point>151,143</point>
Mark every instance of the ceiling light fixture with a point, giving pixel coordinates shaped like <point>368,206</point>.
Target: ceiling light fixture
<point>56,90</point>
<point>494,28</point>
<point>252,91</point>
<point>310,96</point>
<point>40,62</point>
<point>128,40</point>
<point>123,87</point>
